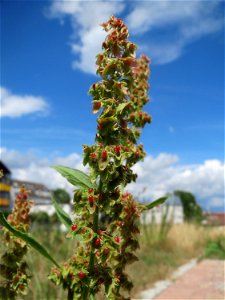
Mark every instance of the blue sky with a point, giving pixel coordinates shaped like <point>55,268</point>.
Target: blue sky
<point>47,66</point>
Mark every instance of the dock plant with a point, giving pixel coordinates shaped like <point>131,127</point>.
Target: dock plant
<point>13,267</point>
<point>105,221</point>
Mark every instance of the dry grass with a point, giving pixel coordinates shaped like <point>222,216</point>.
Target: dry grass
<point>158,256</point>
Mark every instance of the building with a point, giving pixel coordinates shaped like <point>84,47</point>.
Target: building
<point>170,212</point>
<point>39,194</point>
<point>5,188</point>
<point>216,219</point>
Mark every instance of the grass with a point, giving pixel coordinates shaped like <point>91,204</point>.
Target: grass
<point>215,248</point>
<point>158,258</point>
<point>159,255</point>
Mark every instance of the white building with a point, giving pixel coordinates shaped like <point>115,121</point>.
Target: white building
<point>39,194</point>
<point>171,211</point>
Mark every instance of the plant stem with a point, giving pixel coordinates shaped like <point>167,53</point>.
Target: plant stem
<point>70,294</point>
<point>95,229</point>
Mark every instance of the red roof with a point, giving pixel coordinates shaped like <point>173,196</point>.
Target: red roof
<point>216,218</point>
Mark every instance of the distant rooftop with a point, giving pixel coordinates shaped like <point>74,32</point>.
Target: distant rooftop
<point>35,189</point>
<point>4,168</point>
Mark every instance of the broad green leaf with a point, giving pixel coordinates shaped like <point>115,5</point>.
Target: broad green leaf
<point>75,177</point>
<point>156,202</point>
<point>28,239</point>
<point>62,215</point>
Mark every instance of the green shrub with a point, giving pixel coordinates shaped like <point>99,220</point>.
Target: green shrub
<point>215,249</point>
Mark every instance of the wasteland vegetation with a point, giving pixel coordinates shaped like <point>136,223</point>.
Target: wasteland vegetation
<point>157,258</point>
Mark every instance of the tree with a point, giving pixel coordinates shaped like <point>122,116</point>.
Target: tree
<point>61,196</point>
<point>192,211</point>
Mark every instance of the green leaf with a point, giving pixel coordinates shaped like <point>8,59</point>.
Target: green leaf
<point>156,202</point>
<point>28,239</point>
<point>62,215</point>
<point>121,107</point>
<point>75,177</point>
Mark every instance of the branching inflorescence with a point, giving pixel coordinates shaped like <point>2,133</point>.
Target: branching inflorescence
<point>13,268</point>
<point>106,247</point>
<point>105,227</point>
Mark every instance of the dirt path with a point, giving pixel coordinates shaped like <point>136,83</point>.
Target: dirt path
<point>205,281</point>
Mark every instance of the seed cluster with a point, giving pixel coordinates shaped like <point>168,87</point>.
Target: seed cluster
<point>105,226</point>
<point>13,267</point>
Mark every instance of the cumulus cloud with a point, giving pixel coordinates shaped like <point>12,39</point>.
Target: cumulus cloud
<point>14,106</point>
<point>164,173</point>
<point>187,22</point>
<point>28,167</point>
<point>87,35</point>
<point>156,175</point>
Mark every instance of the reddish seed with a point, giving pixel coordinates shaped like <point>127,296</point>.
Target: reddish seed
<point>119,223</point>
<point>90,191</point>
<point>117,149</point>
<point>73,277</point>
<point>137,153</point>
<point>101,280</point>
<point>107,250</point>
<point>98,253</point>
<point>104,154</point>
<point>117,239</point>
<point>91,199</point>
<point>74,227</point>
<point>93,156</point>
<point>81,275</point>
<point>97,242</point>
<point>126,208</point>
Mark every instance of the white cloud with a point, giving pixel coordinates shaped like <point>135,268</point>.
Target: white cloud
<point>164,174</point>
<point>157,175</point>
<point>88,35</point>
<point>28,167</point>
<point>186,20</point>
<point>18,105</point>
